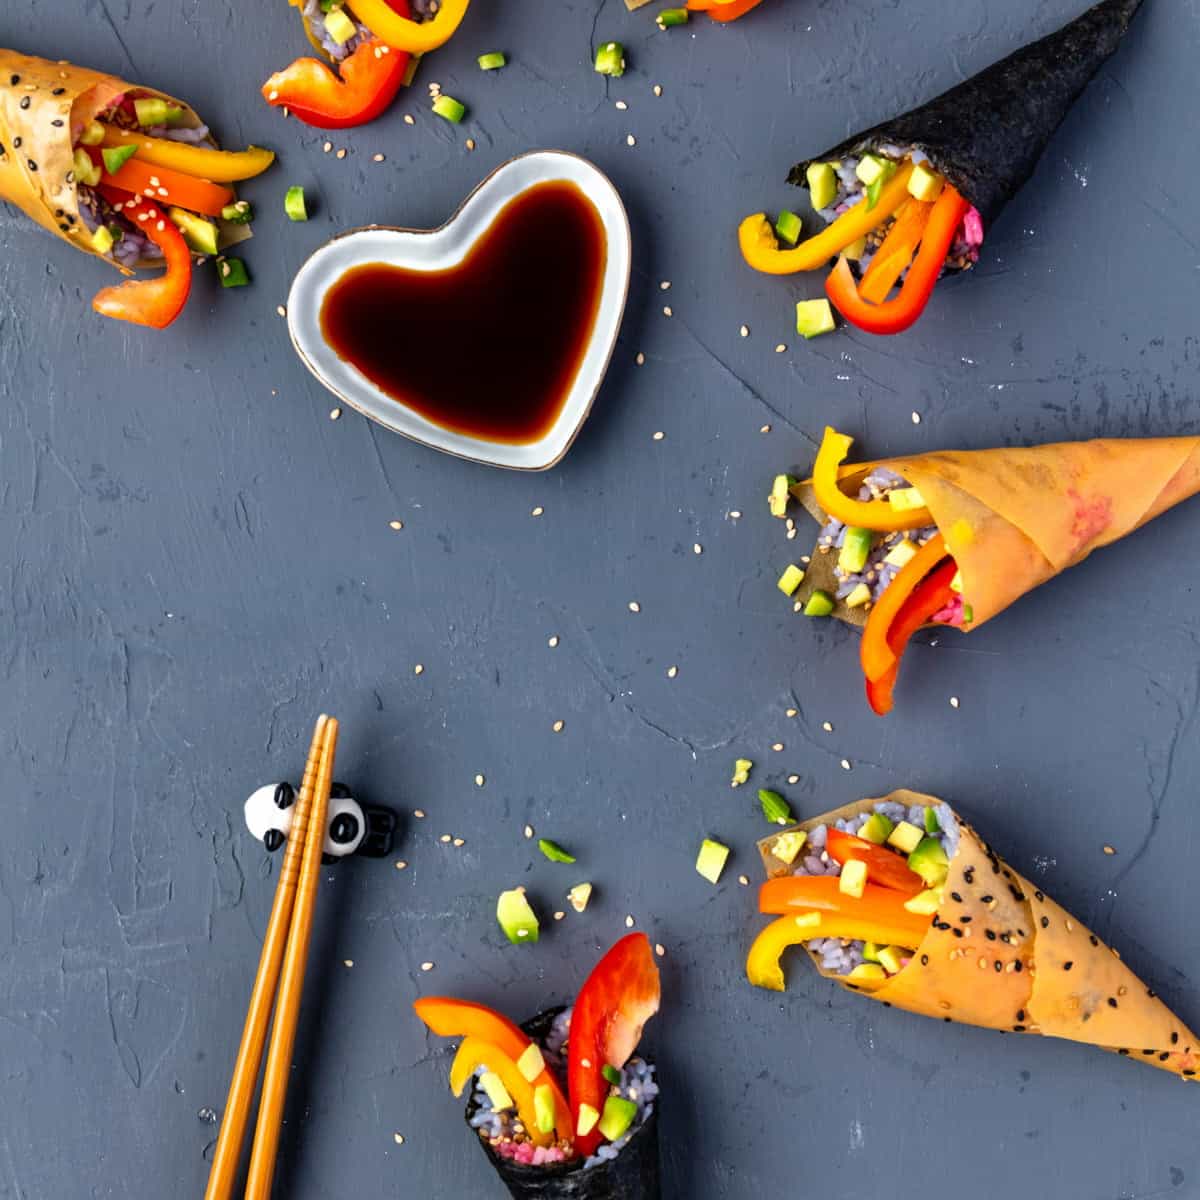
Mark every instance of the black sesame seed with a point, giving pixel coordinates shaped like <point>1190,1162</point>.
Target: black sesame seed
<point>987,899</point>
<point>1045,922</point>
<point>1068,965</point>
<point>999,966</point>
<point>969,874</point>
<point>965,920</point>
<point>947,1020</point>
<point>1017,967</point>
<point>70,219</point>
<point>1093,939</point>
<point>1188,1071</point>
<point>1018,1029</point>
<point>990,935</point>
<point>924,960</point>
<point>64,227</point>
<point>25,102</point>
<point>1174,1039</point>
<point>31,164</point>
<point>886,1003</point>
<point>58,91</point>
<point>1112,1002</point>
<point>956,897</point>
<point>70,176</point>
<point>958,933</point>
<point>1148,1053</point>
<point>1017,894</point>
<point>1039,895</point>
<point>1123,1052</point>
<point>1152,993</point>
<point>17,143</point>
<point>15,80</point>
<point>1164,1056</point>
<point>57,123</point>
<point>1020,1014</point>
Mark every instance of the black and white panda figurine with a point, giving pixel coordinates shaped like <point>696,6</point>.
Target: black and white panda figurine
<point>350,827</point>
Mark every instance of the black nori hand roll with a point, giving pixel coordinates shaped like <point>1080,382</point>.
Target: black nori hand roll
<point>987,134</point>
<point>632,1175</point>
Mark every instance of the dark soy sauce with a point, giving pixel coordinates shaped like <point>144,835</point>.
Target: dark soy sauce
<point>490,347</point>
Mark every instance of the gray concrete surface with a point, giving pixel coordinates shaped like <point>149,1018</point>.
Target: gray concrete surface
<point>196,560</point>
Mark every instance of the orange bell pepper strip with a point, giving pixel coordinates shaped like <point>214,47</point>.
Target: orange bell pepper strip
<point>448,1017</point>
<point>930,596</point>
<point>168,186</point>
<point>877,515</point>
<point>151,302</point>
<point>895,316</point>
<point>889,261</point>
<point>201,162</point>
<point>731,11</point>
<point>756,237</point>
<point>884,867</point>
<point>876,655</point>
<point>475,1053</point>
<point>413,37</point>
<point>879,910</point>
<point>368,83</point>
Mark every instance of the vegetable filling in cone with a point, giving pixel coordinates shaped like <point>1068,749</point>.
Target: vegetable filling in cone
<point>900,899</point>
<point>953,538</point>
<point>122,172</point>
<point>909,200</point>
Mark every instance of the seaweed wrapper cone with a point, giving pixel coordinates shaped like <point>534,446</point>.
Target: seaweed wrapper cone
<point>1069,983</point>
<point>1014,517</point>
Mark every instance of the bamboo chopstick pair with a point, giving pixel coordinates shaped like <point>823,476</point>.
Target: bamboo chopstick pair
<point>278,984</point>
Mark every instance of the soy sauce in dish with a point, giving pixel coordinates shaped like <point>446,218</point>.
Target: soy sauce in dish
<point>488,348</point>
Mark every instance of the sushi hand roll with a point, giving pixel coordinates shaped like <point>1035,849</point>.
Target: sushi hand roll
<point>597,1137</point>
<point>953,538</point>
<point>912,198</point>
<point>901,900</point>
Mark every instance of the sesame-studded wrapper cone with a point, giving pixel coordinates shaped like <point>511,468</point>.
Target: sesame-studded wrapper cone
<point>987,134</point>
<point>1014,517</point>
<point>632,1175</point>
<point>1002,955</point>
<point>44,106</point>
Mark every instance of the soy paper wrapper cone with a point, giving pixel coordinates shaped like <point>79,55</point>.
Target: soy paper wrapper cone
<point>1014,517</point>
<point>1069,983</point>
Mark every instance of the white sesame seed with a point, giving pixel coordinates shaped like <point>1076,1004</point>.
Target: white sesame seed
<point>327,147</point>
<point>1109,850</point>
<point>460,841</point>
<point>658,89</point>
<point>444,839</point>
<point>735,514</point>
<point>480,781</point>
<point>396,525</point>
<point>765,429</point>
<point>665,285</point>
<point>341,153</point>
<point>667,311</point>
<point>281,310</point>
<point>409,119</point>
<point>557,726</point>
<point>780,348</point>
<point>793,779</point>
<point>274,95</point>
<point>427,966</point>
<point>640,359</point>
<point>743,880</point>
<point>791,712</point>
<point>419,669</point>
<point>348,962</point>
<point>528,831</point>
<point>697,548</point>
<point>377,158</point>
<point>825,725</point>
<point>634,606</point>
<point>401,865</point>
<point>845,764</point>
<point>659,949</point>
<point>398,1138</point>
<point>334,413</point>
<point>659,435</point>
<point>744,330</point>
<point>419,813</point>
<point>631,140</point>
<point>790,535</point>
<point>536,512</point>
<point>777,747</point>
<point>916,418</point>
<point>953,701</point>
<point>558,916</point>
<point>552,642</point>
<point>621,105</point>
<point>629,922</point>
<point>470,143</point>
<point>672,672</point>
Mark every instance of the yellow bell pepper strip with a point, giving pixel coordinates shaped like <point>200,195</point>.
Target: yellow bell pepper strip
<point>879,911</point>
<point>151,302</point>
<point>877,515</point>
<point>448,1017</point>
<point>889,261</point>
<point>756,236</point>
<point>895,316</point>
<point>875,653</point>
<point>201,162</point>
<point>411,36</point>
<point>475,1053</point>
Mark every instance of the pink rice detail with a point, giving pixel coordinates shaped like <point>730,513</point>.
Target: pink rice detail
<point>972,227</point>
<point>952,614</point>
<point>530,1155</point>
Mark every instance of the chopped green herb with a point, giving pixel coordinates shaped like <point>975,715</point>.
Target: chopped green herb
<point>671,16</point>
<point>86,171</point>
<point>611,1074</point>
<point>152,110</point>
<point>968,614</point>
<point>741,770</point>
<point>239,213</point>
<point>787,225</point>
<point>449,108</point>
<point>330,5</point>
<point>294,204</point>
<point>232,272</point>
<point>820,604</point>
<point>931,821</point>
<point>492,62</point>
<point>115,157</point>
<point>873,191</point>
<point>554,852</point>
<point>610,59</point>
<point>774,807</point>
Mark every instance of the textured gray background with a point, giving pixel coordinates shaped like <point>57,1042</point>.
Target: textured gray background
<point>196,560</point>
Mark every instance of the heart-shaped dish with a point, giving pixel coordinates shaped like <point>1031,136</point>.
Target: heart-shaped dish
<point>441,250</point>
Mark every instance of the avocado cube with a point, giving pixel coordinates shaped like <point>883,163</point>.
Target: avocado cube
<point>339,26</point>
<point>906,837</point>
<point>931,821</point>
<point>586,1121</point>
<point>543,1107</point>
<point>787,845</point>
<point>788,227</point>
<point>777,501</point>
<point>531,1063</point>
<point>710,862</point>
<point>867,973</point>
<point>617,1117</point>
<point>871,951</point>
<point>790,580</point>
<point>741,771</point>
<point>856,250</point>
<point>900,554</point>
<point>822,184</point>
<point>925,903</point>
<point>497,1093</point>
<point>102,240</point>
<point>516,917</point>
<point>930,862</point>
<point>856,549</point>
<point>200,235</point>
<point>820,604</point>
<point>891,959</point>
<point>859,597</point>
<point>871,168</point>
<point>925,184</point>
<point>813,318</point>
<point>905,499</point>
<point>876,829</point>
<point>853,879</point>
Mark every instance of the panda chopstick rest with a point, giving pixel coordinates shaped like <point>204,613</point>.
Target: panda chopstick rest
<point>351,827</point>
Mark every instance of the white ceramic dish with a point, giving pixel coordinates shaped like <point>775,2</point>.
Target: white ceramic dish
<point>440,249</point>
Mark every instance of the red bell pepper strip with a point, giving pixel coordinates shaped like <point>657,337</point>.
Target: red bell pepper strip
<point>152,302</point>
<point>621,994</point>
<point>448,1017</point>
<point>884,867</point>
<point>874,652</point>
<point>930,596</point>
<point>878,515</point>
<point>889,261</point>
<point>894,316</point>
<point>370,79</point>
<point>725,12</point>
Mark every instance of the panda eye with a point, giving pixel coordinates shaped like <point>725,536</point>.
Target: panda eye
<point>345,828</point>
<point>265,815</point>
<point>285,795</point>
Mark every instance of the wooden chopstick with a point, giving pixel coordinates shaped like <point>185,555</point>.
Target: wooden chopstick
<point>262,996</point>
<point>291,985</point>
